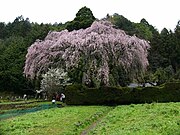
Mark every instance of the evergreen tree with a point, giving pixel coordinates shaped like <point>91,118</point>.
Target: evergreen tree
<point>84,18</point>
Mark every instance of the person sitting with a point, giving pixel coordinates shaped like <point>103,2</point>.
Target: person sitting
<point>53,100</point>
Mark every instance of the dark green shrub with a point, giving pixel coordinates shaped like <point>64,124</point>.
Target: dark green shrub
<point>81,95</point>
<point>75,94</point>
<point>172,91</point>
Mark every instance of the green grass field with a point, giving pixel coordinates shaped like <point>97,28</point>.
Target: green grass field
<point>141,119</point>
<point>55,121</point>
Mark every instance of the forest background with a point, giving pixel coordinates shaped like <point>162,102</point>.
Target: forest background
<point>17,36</point>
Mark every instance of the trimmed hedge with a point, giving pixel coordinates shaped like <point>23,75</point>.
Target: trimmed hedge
<point>80,95</point>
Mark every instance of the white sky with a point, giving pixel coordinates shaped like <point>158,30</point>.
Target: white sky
<point>159,13</point>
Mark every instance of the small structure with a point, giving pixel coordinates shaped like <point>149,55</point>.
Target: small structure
<point>134,85</point>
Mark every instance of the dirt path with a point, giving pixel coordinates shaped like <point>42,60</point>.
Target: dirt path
<point>95,123</point>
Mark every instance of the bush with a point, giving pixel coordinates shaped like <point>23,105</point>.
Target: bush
<point>75,94</point>
<point>80,95</point>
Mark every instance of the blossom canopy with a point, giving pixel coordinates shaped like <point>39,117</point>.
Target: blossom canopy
<point>99,48</point>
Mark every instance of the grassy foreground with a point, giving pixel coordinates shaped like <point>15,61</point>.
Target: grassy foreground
<point>55,121</point>
<point>141,119</point>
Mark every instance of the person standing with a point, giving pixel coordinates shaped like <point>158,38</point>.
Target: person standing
<point>62,97</point>
<point>25,97</point>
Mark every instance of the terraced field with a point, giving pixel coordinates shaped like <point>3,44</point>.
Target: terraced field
<point>145,119</point>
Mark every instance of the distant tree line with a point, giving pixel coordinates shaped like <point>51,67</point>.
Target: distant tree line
<point>17,36</point>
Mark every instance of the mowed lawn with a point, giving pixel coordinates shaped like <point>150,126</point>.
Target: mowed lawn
<point>140,119</point>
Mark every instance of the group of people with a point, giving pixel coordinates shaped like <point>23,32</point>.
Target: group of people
<point>58,97</point>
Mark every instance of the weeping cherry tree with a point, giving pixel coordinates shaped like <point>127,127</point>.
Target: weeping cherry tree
<point>99,54</point>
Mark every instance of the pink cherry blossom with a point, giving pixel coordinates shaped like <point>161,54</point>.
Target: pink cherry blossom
<point>101,42</point>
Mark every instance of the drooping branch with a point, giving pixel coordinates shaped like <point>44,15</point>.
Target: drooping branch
<point>97,45</point>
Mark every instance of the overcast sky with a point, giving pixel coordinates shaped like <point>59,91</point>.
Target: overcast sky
<point>159,13</point>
